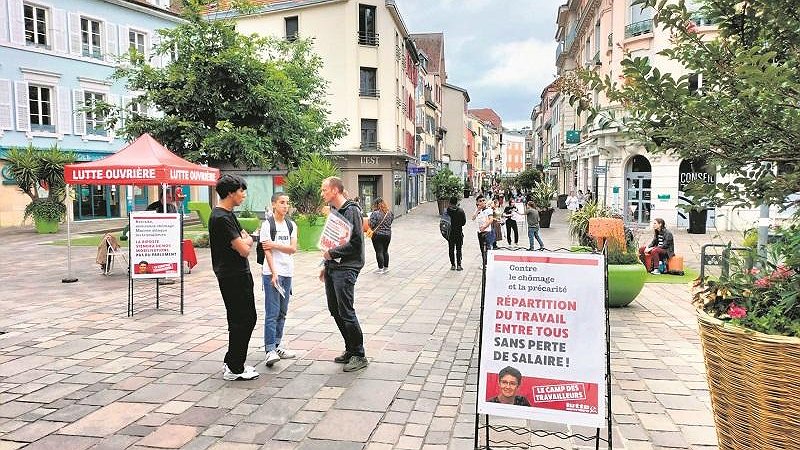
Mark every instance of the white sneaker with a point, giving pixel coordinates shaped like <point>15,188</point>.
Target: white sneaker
<point>655,272</point>
<point>378,270</point>
<point>285,353</point>
<point>272,358</point>
<point>249,373</point>
<point>385,270</point>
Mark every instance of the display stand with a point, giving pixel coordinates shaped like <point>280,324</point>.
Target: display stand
<point>488,428</point>
<point>153,286</point>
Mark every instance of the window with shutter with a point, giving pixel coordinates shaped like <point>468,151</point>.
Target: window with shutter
<point>37,21</point>
<point>21,100</point>
<point>91,38</point>
<point>79,120</point>
<point>5,105</point>
<point>40,102</point>
<point>95,119</point>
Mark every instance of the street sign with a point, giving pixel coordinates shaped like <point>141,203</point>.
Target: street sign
<point>600,170</point>
<point>555,164</point>
<point>573,137</point>
<point>425,157</point>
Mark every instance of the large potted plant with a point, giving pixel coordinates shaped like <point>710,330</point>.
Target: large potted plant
<point>37,171</point>
<point>542,196</point>
<point>592,225</point>
<point>737,121</point>
<point>303,185</point>
<point>445,185</point>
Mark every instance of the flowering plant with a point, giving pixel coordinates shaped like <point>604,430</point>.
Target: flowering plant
<point>759,292</point>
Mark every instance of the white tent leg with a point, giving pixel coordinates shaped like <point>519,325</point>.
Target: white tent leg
<point>69,278</point>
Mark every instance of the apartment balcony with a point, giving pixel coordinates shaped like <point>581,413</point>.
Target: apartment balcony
<point>369,92</point>
<point>639,28</point>
<point>370,146</point>
<point>570,39</point>
<point>367,38</point>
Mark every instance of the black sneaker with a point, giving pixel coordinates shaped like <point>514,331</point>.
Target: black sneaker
<point>343,358</point>
<point>356,363</point>
<point>459,268</point>
<point>452,267</point>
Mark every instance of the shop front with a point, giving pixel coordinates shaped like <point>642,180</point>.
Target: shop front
<point>369,176</point>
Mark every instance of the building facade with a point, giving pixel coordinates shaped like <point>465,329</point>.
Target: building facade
<point>512,153</point>
<point>57,57</point>
<point>597,35</point>
<point>457,149</point>
<point>489,139</point>
<point>370,64</point>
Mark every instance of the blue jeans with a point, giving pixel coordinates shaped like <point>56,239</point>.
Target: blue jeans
<point>275,308</point>
<point>533,232</point>
<point>340,285</point>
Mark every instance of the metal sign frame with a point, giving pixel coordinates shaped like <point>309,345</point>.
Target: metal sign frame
<point>487,427</point>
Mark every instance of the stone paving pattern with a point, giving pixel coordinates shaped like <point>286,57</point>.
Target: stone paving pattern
<point>76,373</point>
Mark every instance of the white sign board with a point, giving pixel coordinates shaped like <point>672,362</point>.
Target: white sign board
<point>336,232</point>
<point>543,342</point>
<point>155,242</point>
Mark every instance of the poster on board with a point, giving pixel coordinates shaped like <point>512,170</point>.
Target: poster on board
<point>543,341</point>
<point>155,242</point>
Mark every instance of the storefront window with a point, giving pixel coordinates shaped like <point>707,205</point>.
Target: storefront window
<point>95,201</point>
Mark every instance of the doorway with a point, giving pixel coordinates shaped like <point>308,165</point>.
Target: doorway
<point>367,190</point>
<point>638,190</point>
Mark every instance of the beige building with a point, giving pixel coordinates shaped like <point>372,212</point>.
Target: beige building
<point>596,34</point>
<point>455,101</point>
<point>370,65</point>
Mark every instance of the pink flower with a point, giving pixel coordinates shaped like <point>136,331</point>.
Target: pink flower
<point>691,27</point>
<point>781,273</point>
<point>736,311</point>
<point>762,283</point>
<point>755,271</point>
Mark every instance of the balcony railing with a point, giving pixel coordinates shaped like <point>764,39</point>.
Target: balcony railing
<point>370,145</point>
<point>369,92</point>
<point>367,38</point>
<point>639,28</point>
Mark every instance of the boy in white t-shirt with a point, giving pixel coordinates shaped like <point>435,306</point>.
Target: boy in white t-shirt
<point>277,276</point>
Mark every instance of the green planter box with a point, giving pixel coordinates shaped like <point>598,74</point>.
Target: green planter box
<point>45,227</point>
<point>249,224</point>
<point>625,281</point>
<point>307,234</point>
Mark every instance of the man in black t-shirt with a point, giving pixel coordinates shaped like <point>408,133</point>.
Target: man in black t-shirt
<point>230,247</point>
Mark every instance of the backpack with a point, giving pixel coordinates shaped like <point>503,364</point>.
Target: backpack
<point>260,255</point>
<point>445,223</point>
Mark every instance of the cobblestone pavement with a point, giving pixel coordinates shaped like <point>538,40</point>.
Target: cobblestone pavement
<point>76,373</point>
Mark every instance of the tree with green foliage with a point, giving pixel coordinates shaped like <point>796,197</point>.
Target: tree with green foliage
<point>527,179</point>
<point>34,169</point>
<point>225,98</point>
<point>744,118</point>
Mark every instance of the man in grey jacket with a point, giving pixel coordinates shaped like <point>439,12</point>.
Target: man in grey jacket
<point>342,266</point>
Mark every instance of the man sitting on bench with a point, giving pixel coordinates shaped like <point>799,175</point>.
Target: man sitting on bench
<point>661,248</point>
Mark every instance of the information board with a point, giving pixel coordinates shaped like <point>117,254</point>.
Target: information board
<point>543,340</point>
<point>155,242</point>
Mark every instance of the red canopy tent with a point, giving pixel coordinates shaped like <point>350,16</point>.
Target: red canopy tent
<point>143,162</point>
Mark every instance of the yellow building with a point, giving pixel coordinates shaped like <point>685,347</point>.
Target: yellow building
<point>370,64</point>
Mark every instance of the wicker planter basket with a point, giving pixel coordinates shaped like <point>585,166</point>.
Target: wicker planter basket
<point>754,382</point>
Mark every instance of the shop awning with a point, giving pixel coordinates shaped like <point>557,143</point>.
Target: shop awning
<point>143,162</point>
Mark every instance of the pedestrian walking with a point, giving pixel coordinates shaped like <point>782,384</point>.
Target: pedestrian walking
<point>455,240</point>
<point>342,266</point>
<point>532,216</point>
<point>509,215</point>
<point>497,224</point>
<point>581,199</point>
<point>380,222</point>
<point>278,238</point>
<point>483,219</point>
<point>230,247</point>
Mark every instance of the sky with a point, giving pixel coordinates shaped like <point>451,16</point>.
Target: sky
<point>501,51</point>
